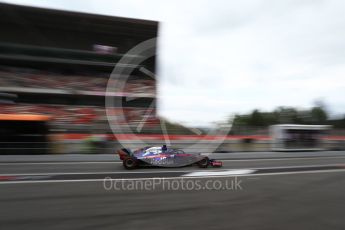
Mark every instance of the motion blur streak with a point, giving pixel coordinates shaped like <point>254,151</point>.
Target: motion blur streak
<point>88,205</point>
<point>83,141</point>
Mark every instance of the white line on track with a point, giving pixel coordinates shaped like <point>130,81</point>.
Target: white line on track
<point>106,172</point>
<point>232,172</point>
<point>298,172</point>
<point>172,178</point>
<point>299,166</point>
<point>153,171</point>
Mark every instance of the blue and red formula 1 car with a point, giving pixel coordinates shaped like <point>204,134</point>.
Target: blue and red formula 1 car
<point>163,157</point>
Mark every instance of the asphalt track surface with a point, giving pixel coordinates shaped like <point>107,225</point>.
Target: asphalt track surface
<point>252,191</point>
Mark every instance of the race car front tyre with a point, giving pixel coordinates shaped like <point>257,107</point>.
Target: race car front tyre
<point>203,163</point>
<point>130,163</point>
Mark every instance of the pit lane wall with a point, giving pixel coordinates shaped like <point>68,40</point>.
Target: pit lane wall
<point>107,144</point>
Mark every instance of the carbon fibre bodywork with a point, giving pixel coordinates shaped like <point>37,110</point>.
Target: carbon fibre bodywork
<point>161,157</point>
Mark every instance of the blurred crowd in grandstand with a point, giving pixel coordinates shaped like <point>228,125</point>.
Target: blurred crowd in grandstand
<point>32,78</point>
<point>74,115</point>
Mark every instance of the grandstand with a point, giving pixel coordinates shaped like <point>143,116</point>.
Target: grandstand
<point>58,63</point>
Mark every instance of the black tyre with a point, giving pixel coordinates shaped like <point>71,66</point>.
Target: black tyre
<point>130,163</point>
<point>204,162</point>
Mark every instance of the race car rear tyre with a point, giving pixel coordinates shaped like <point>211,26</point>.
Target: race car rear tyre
<point>130,163</point>
<point>203,163</point>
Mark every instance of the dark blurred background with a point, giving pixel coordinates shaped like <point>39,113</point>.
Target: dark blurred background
<point>58,63</point>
